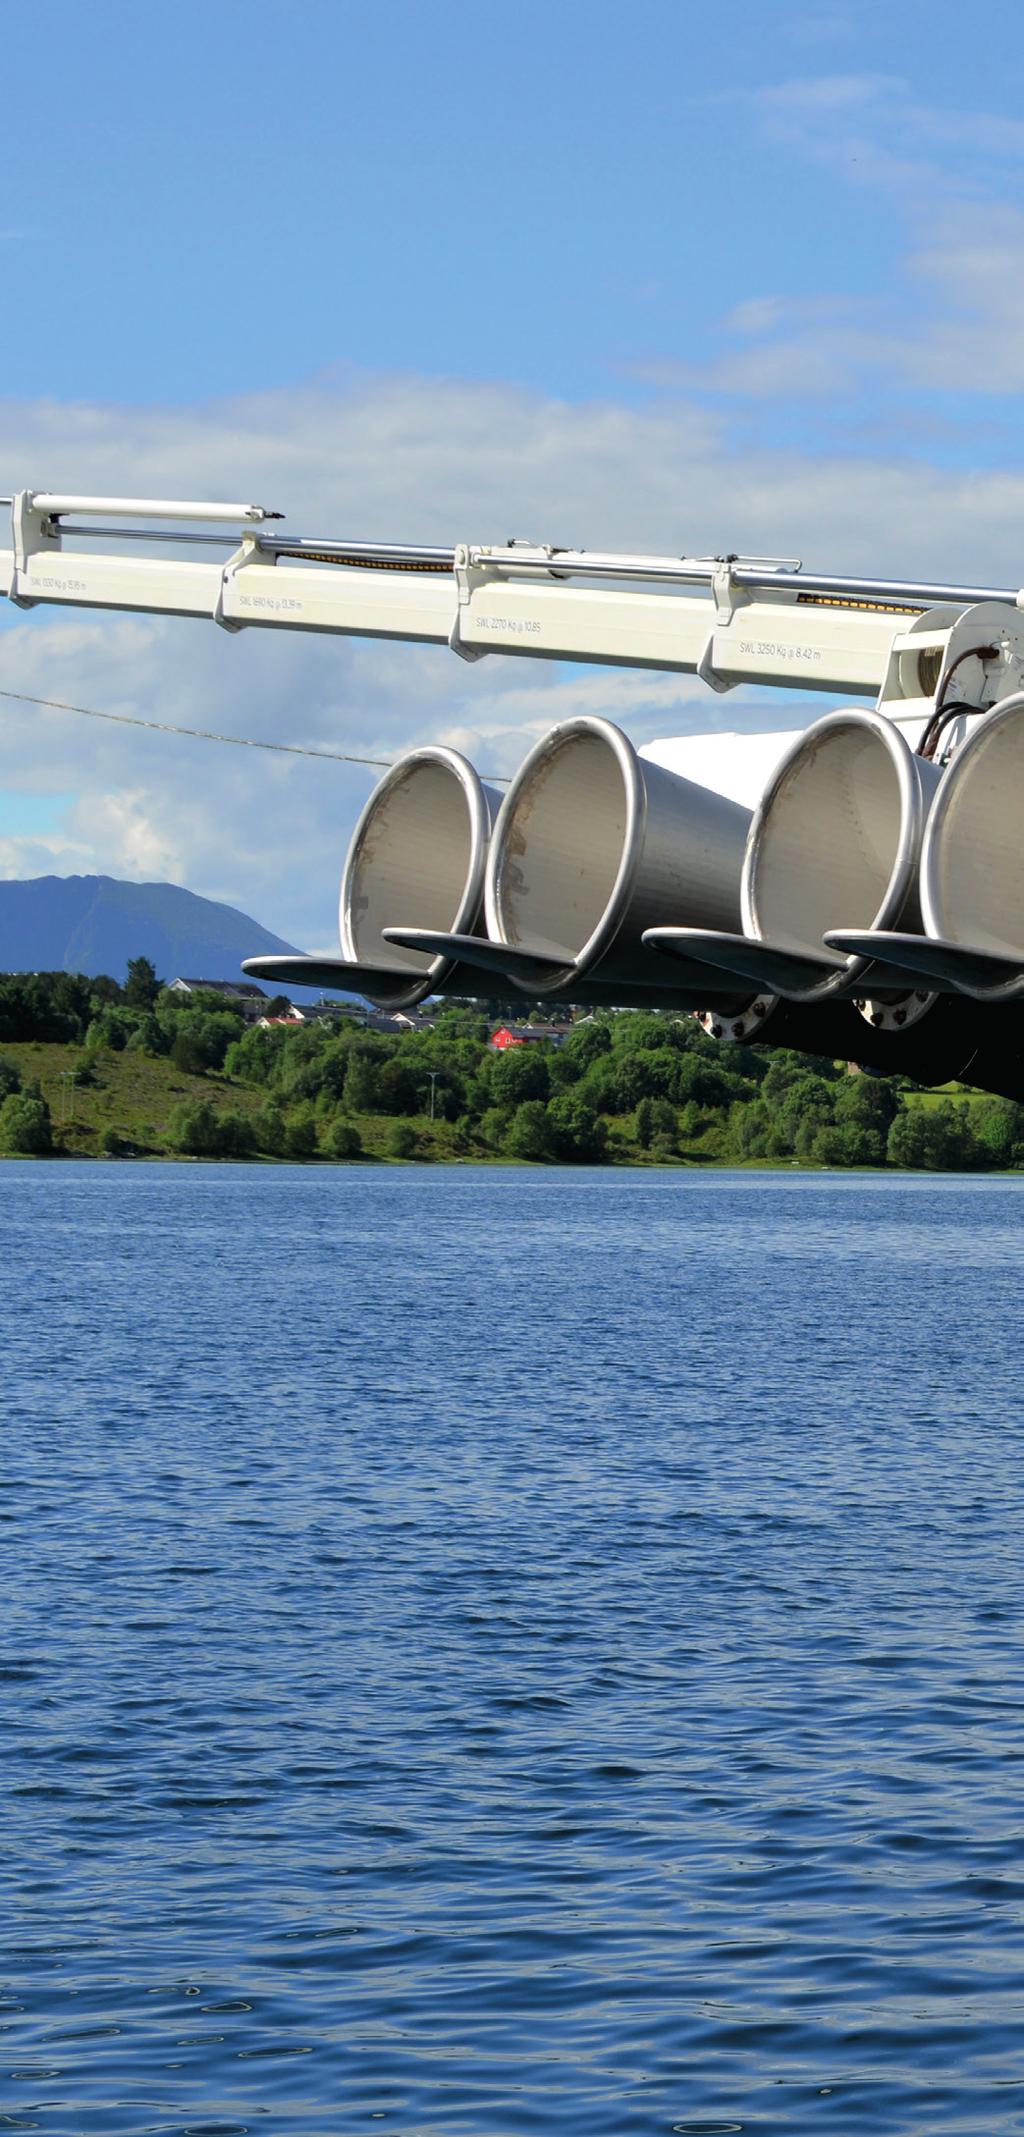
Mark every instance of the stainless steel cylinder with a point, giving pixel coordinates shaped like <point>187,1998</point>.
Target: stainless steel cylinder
<point>972,861</point>
<point>593,845</point>
<point>417,857</point>
<point>835,841</point>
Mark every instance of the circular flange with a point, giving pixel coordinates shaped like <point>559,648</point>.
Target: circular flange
<point>895,1012</point>
<point>740,1021</point>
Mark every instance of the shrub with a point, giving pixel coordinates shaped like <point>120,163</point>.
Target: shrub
<point>785,1068</point>
<point>804,1105</point>
<point>585,1045</point>
<point>1000,1132</point>
<point>9,1077</point>
<point>401,1140</point>
<point>25,1125</point>
<point>651,1072</point>
<point>254,1057</point>
<point>749,1129</point>
<point>492,1126</point>
<point>195,1129</point>
<point>112,1028</point>
<point>520,1074</point>
<point>44,1005</point>
<point>397,1088</point>
<point>578,1135</point>
<point>451,1139</point>
<point>530,1135</point>
<point>344,1140</point>
<point>200,1132</point>
<point>147,1038</point>
<point>637,1031</point>
<point>237,1135</point>
<point>360,1084</point>
<point>187,1053</point>
<point>844,1143</point>
<point>599,1084</point>
<point>198,1039</point>
<point>691,1120</point>
<point>869,1101</point>
<point>270,1131</point>
<point>935,1139</point>
<point>709,1082</point>
<point>300,1135</point>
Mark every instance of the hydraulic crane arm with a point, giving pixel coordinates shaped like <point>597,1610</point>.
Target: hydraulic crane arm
<point>787,908</point>
<point>728,620</point>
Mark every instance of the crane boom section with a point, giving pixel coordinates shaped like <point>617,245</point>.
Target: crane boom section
<point>767,641</point>
<point>728,620</point>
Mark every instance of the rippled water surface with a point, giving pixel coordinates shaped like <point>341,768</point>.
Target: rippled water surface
<point>510,1651</point>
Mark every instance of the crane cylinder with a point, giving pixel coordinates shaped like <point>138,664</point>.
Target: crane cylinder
<point>593,845</point>
<point>419,851</point>
<point>835,842</point>
<point>972,862</point>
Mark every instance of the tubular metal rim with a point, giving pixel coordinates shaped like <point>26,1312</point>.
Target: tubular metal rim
<point>600,941</point>
<point>935,920</point>
<point>451,760</point>
<point>911,810</point>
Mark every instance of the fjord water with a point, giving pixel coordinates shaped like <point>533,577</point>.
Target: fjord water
<point>510,1651</point>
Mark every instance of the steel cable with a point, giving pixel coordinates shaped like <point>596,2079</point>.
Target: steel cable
<point>206,734</point>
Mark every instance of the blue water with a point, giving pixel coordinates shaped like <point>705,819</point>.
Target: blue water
<point>508,1651</point>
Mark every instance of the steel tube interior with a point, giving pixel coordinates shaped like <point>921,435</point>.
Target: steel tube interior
<point>973,867</point>
<point>829,838</point>
<point>563,846</point>
<point>410,861</point>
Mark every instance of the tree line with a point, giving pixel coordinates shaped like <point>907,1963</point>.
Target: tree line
<point>636,1086</point>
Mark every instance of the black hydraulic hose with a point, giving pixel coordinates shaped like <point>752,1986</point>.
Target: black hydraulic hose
<point>942,714</point>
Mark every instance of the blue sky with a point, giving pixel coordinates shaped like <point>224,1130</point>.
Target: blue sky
<point>657,276</point>
<point>221,198</point>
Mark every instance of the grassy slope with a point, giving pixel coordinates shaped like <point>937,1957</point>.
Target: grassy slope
<point>959,1091</point>
<point>137,1095</point>
<point>133,1093</point>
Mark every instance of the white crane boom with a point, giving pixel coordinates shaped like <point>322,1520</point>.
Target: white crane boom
<point>801,889</point>
<point>728,620</point>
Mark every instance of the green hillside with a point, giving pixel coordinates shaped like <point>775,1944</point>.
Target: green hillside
<point>90,1069</point>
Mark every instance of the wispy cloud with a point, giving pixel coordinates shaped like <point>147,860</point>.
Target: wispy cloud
<point>864,116</point>
<point>947,181</point>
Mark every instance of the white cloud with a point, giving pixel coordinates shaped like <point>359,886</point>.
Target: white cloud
<point>946,180</point>
<point>821,96</point>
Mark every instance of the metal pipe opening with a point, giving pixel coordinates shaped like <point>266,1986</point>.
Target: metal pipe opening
<point>972,866</point>
<point>563,840</point>
<point>838,831</point>
<point>416,858</point>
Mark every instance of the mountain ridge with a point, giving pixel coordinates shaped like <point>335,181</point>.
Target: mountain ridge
<point>94,924</point>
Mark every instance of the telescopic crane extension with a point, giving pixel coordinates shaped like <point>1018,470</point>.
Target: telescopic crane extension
<point>855,888</point>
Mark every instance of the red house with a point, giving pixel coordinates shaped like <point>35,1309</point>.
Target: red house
<point>527,1035</point>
